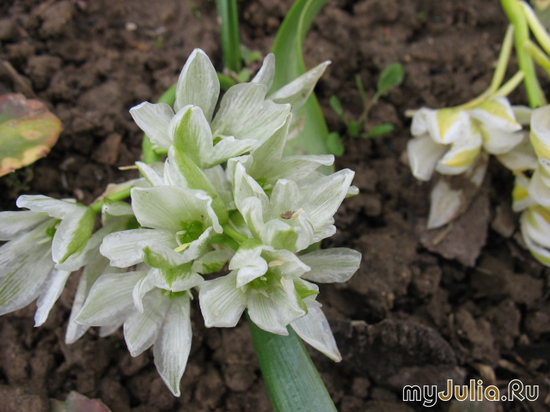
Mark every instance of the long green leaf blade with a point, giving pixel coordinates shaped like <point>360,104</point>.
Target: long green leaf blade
<point>289,65</point>
<point>292,380</point>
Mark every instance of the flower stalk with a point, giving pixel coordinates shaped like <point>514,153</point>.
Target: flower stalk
<point>293,383</point>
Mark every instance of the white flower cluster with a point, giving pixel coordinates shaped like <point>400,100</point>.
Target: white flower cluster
<point>457,142</point>
<point>226,196</point>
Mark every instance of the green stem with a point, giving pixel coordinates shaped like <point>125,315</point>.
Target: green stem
<point>536,27</point>
<point>123,194</point>
<point>148,152</point>
<point>292,381</point>
<point>227,10</point>
<point>540,57</point>
<point>515,13</point>
<point>503,59</point>
<point>510,85</point>
<point>233,234</point>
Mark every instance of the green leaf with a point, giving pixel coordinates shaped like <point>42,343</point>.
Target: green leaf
<point>392,76</point>
<point>227,10</point>
<point>289,65</point>
<point>360,87</point>
<point>292,381</point>
<point>28,130</point>
<point>354,128</point>
<point>334,143</point>
<point>380,130</point>
<point>336,105</point>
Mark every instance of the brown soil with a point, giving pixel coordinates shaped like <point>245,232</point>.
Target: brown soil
<point>418,311</point>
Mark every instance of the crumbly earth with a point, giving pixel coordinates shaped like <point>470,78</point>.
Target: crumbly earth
<point>469,303</point>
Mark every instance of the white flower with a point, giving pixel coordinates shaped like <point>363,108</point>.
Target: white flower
<point>293,216</point>
<point>43,248</point>
<point>449,140</point>
<point>271,285</point>
<point>245,117</point>
<point>154,312</point>
<point>116,216</point>
<point>177,221</point>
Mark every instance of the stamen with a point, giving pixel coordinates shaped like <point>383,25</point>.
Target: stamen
<point>181,248</point>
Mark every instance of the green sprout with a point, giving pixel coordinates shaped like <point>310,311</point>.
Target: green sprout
<point>391,77</point>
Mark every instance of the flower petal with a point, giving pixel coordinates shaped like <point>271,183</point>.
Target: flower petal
<point>166,207</point>
<point>198,84</point>
<point>212,262</point>
<point>461,155</point>
<point>22,274</point>
<point>521,158</point>
<point>124,249</point>
<point>535,229</point>
<point>50,293</point>
<point>227,148</point>
<point>496,113</point>
<point>323,200</point>
<point>110,295</point>
<point>90,274</point>
<point>540,131</point>
<point>13,224</point>
<point>173,344</point>
<point>245,114</point>
<point>244,186</point>
<point>191,134</point>
<point>285,197</point>
<point>248,262</point>
<point>331,265</point>
<point>444,126</point>
<point>72,233</point>
<point>315,330</point>
<point>56,208</point>
<point>153,119</point>
<point>538,190</point>
<point>267,72</point>
<point>221,302</point>
<point>142,329</point>
<point>297,92</point>
<point>424,154</point>
<point>275,311</point>
<point>295,167</point>
<point>152,173</point>
<point>497,141</point>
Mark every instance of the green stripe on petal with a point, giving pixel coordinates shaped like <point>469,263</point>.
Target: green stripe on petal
<point>496,113</point>
<point>191,134</point>
<point>274,310</point>
<point>72,233</point>
<point>447,125</point>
